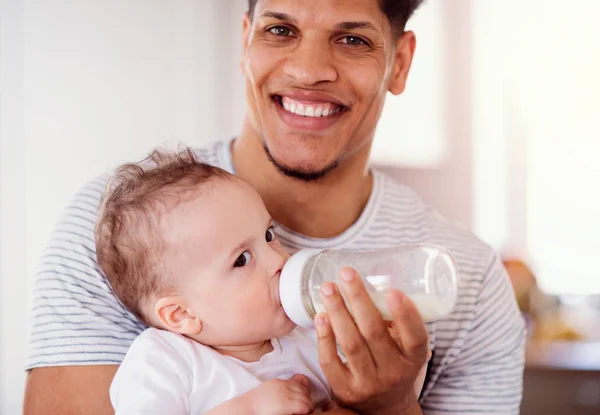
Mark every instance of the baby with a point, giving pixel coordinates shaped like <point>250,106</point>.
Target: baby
<point>190,250</point>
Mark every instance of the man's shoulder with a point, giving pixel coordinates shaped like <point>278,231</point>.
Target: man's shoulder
<point>215,153</point>
<point>470,252</point>
<point>484,332</point>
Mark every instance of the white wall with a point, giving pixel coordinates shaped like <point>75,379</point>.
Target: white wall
<point>415,129</point>
<point>84,85</point>
<point>447,184</point>
<point>538,109</point>
<point>107,81</point>
<point>13,283</point>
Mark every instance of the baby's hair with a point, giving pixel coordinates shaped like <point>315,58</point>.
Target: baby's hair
<point>128,241</point>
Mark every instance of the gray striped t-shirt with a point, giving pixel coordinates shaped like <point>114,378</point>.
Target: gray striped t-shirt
<point>478,350</point>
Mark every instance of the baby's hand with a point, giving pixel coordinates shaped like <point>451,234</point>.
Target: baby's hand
<point>281,397</point>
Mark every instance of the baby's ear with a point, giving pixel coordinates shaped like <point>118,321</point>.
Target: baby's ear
<point>173,315</point>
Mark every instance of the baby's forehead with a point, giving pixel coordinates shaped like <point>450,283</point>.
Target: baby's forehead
<point>214,217</point>
<point>218,198</point>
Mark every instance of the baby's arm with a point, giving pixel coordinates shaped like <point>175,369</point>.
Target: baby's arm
<point>275,397</point>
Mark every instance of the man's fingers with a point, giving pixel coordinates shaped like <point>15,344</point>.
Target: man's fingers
<point>335,371</point>
<point>368,319</point>
<point>346,333</point>
<point>408,329</point>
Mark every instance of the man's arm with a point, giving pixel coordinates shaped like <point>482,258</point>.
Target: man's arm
<point>487,374</point>
<point>80,331</point>
<point>69,390</point>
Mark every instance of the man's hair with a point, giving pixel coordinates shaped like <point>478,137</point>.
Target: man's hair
<point>128,242</point>
<point>398,12</point>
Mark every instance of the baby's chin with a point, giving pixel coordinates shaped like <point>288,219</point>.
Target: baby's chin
<point>286,327</point>
<point>282,326</point>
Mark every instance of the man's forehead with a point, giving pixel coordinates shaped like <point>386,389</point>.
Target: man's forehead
<point>324,11</point>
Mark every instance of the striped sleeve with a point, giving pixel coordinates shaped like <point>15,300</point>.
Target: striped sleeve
<point>486,375</point>
<point>76,319</point>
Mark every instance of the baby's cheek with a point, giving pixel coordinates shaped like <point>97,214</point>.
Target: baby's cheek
<point>253,305</point>
<point>284,252</point>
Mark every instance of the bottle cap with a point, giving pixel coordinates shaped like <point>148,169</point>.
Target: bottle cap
<point>290,288</point>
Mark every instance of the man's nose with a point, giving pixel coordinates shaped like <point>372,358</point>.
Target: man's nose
<point>310,63</point>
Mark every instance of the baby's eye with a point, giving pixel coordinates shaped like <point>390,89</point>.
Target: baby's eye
<point>270,235</point>
<point>242,259</point>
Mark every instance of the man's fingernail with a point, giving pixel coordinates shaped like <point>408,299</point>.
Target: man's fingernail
<point>346,275</point>
<point>327,289</point>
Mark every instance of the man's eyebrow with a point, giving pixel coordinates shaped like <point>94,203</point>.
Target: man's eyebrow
<point>279,16</point>
<point>340,26</point>
<point>356,25</point>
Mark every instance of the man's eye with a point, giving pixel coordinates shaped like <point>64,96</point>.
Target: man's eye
<point>242,259</point>
<point>280,31</point>
<point>270,235</point>
<point>353,41</point>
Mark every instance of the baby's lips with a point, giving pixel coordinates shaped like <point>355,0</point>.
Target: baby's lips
<point>277,277</point>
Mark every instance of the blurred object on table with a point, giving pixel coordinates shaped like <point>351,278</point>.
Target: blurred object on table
<point>554,327</point>
<point>562,371</point>
<point>523,282</point>
<point>543,312</point>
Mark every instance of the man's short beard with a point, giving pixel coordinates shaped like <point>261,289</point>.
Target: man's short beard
<point>306,176</point>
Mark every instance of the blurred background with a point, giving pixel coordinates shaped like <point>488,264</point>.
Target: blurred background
<point>498,129</point>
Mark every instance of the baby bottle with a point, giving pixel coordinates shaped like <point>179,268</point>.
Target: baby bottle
<point>426,273</point>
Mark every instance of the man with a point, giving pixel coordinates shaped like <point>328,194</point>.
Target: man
<point>317,73</point>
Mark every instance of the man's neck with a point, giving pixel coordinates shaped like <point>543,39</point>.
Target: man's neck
<point>323,208</point>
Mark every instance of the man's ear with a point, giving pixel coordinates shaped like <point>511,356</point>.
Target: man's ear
<point>246,32</point>
<point>404,53</point>
<point>174,315</point>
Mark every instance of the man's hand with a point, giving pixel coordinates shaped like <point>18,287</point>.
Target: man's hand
<point>280,397</point>
<point>383,364</point>
<point>70,390</point>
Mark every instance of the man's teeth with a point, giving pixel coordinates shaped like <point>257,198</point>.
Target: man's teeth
<point>307,110</point>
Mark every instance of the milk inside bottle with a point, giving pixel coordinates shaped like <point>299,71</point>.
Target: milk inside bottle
<point>426,273</point>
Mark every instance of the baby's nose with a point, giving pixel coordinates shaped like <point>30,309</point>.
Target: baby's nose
<point>277,259</point>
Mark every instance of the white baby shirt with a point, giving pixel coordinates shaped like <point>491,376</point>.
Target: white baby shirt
<point>166,373</point>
